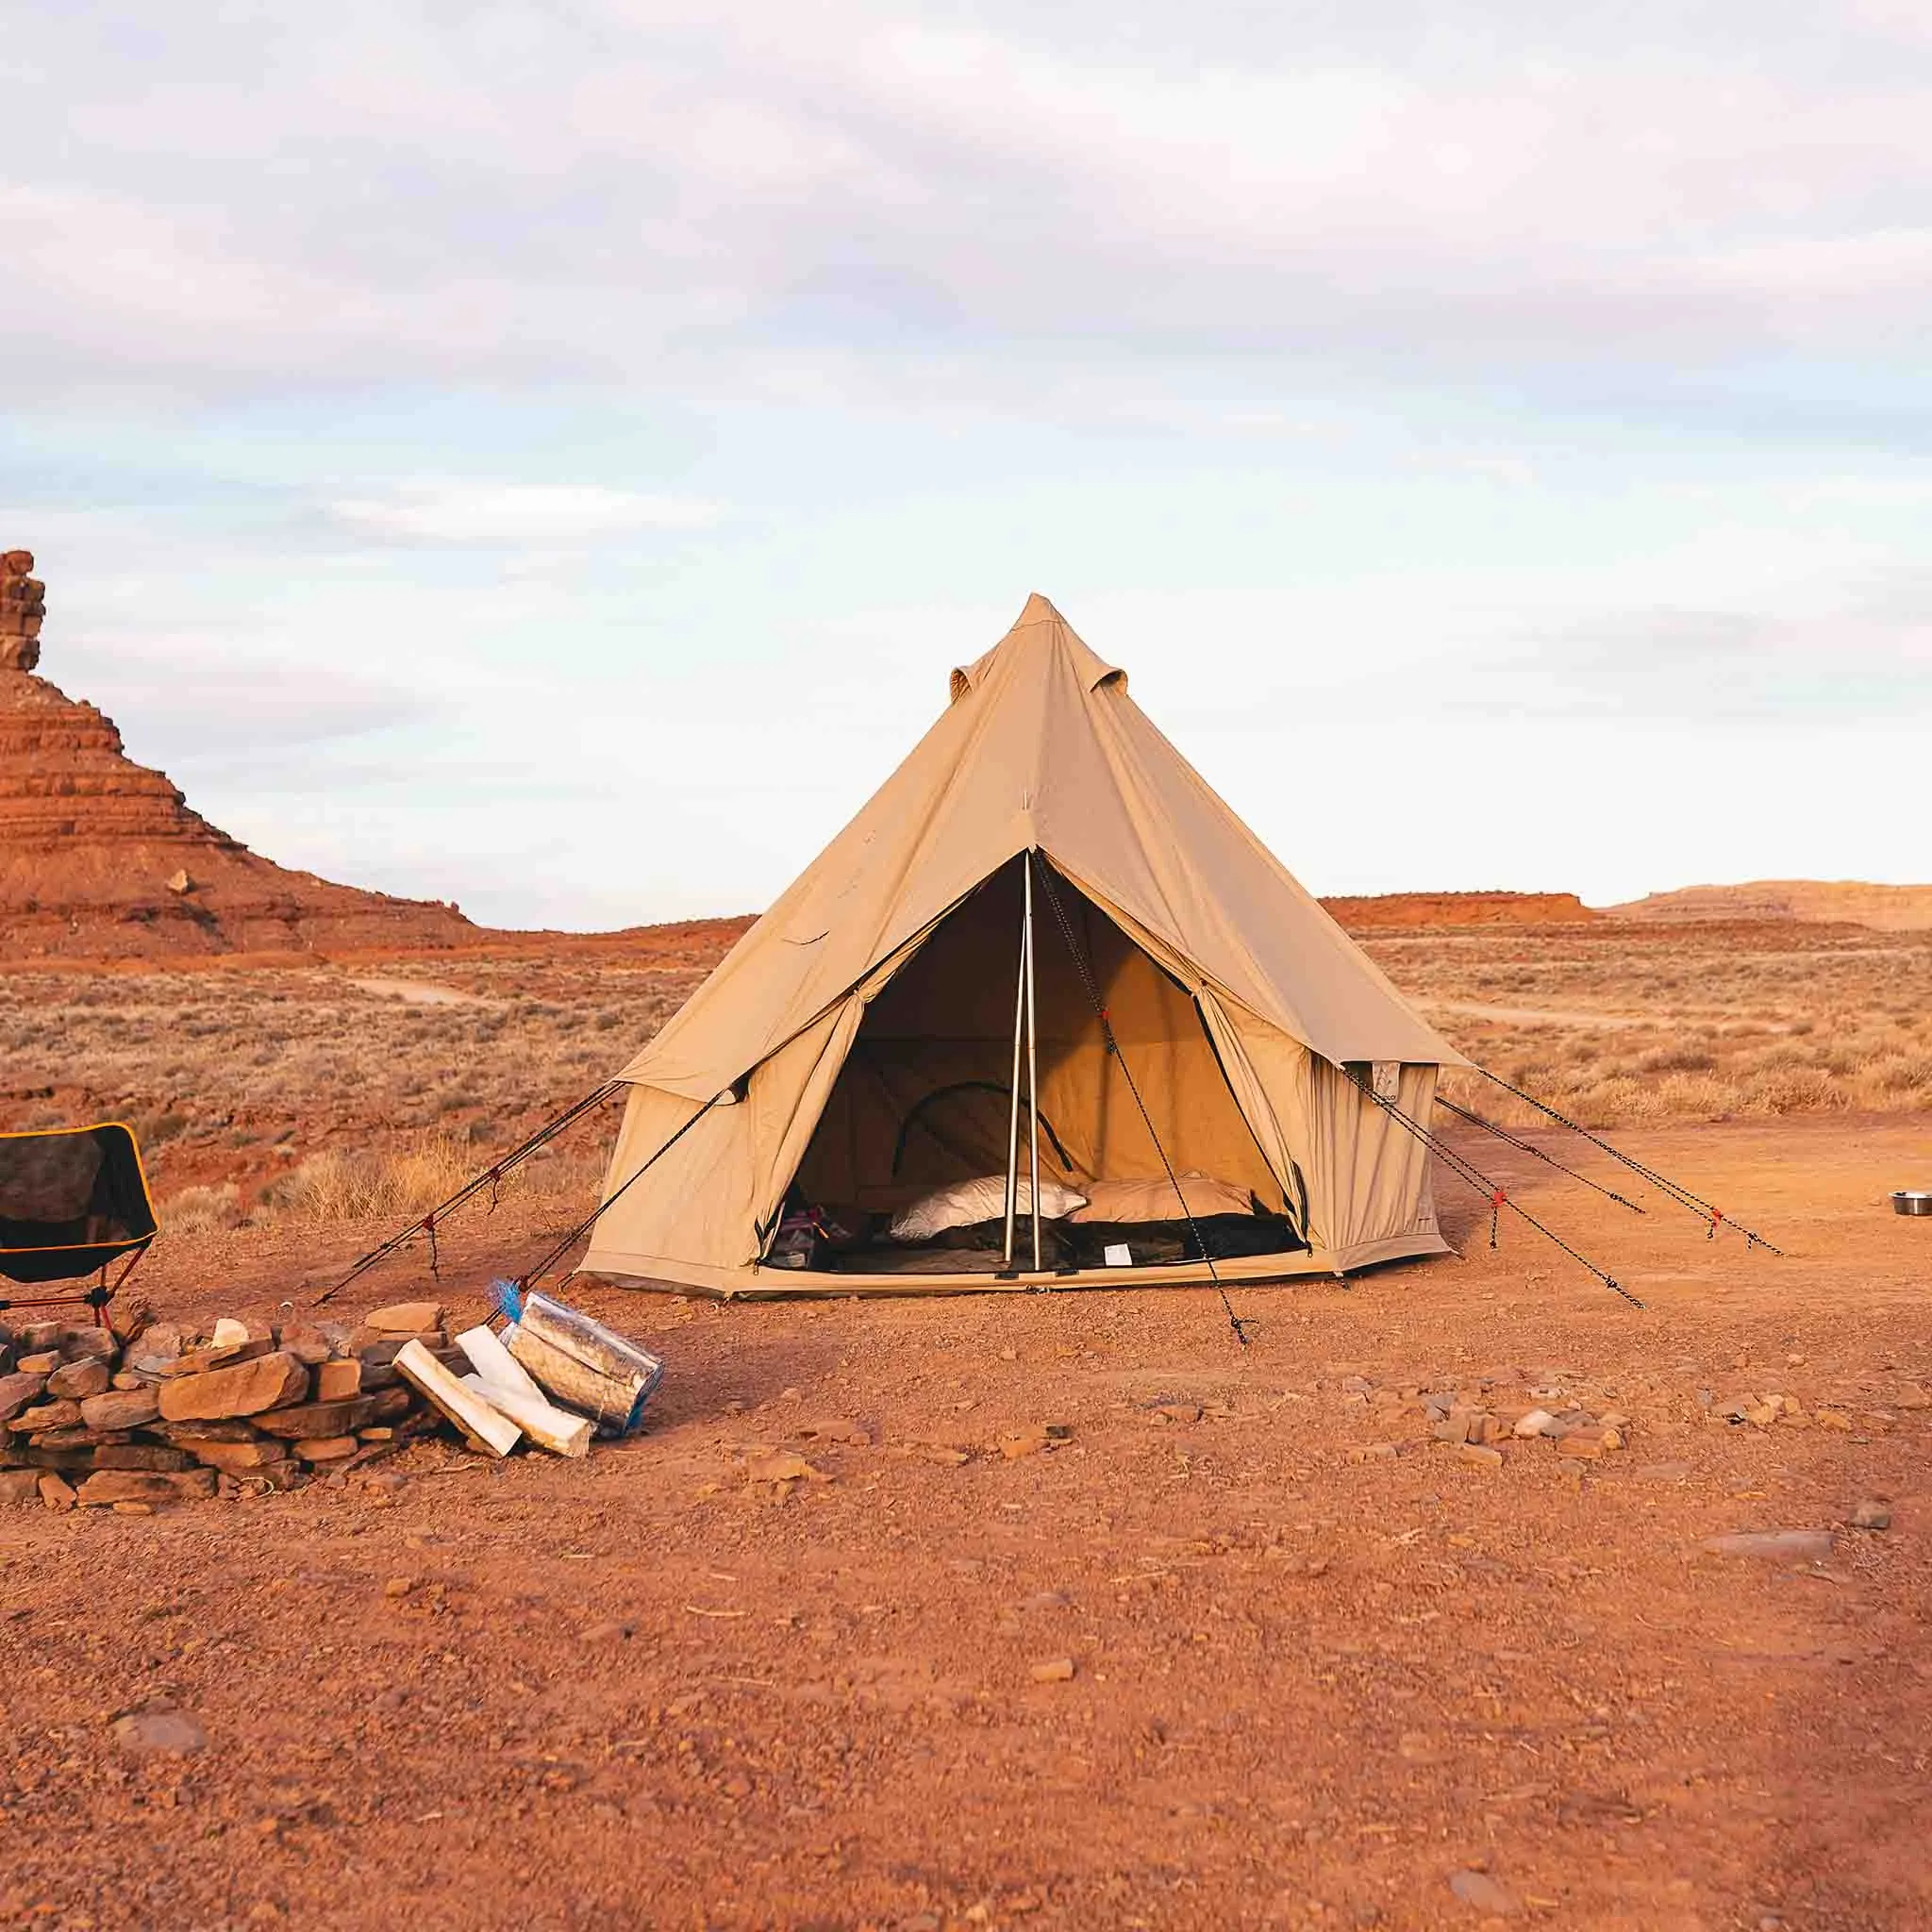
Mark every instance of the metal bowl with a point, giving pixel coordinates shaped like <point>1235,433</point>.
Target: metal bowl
<point>1912,1201</point>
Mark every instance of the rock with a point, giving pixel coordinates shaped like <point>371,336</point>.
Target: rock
<point>1778,1545</point>
<point>1027,1442</point>
<point>1871,1515</point>
<point>149,1456</point>
<point>248,1388</point>
<point>19,1487</point>
<point>1373,1452</point>
<point>56,1493</point>
<point>943,1454</point>
<point>83,1341</point>
<point>1454,1428</point>
<point>338,1381</point>
<point>782,1468</point>
<point>228,1333</point>
<point>1912,1395</point>
<point>42,1362</point>
<point>310,1343</point>
<point>121,1408</point>
<point>1831,1419</point>
<point>44,1415</point>
<point>405,1319</point>
<point>198,1361</point>
<point>144,1732</point>
<point>318,1418</point>
<point>1058,1432</point>
<point>610,1633</point>
<point>1587,1443</point>
<point>1056,1669</point>
<point>1478,1889</point>
<point>144,1485</point>
<point>19,1392</point>
<point>1539,1421</point>
<point>132,1508</point>
<point>325,1448</point>
<point>1175,1412</point>
<point>155,1347</point>
<point>73,1380</point>
<point>211,1429</point>
<point>240,1458</point>
<point>836,1431</point>
<point>1481,1455</point>
<point>37,1335</point>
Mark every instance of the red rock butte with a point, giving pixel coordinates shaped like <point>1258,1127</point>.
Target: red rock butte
<point>101,858</point>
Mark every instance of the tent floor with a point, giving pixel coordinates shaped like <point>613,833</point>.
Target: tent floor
<point>663,1276</point>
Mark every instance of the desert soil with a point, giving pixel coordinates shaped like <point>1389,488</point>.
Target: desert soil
<point>650,1690</point>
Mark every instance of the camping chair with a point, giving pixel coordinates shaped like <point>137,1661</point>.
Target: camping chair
<point>73,1201</point>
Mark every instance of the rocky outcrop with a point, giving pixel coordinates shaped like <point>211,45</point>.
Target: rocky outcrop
<point>1410,911</point>
<point>1811,902</point>
<point>101,858</point>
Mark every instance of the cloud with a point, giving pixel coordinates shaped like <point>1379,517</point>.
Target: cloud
<point>521,514</point>
<point>719,199</point>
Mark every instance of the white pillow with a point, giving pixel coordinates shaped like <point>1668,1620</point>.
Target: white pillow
<point>962,1202</point>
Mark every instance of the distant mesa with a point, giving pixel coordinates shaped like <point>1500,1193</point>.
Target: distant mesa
<point>101,858</point>
<point>1389,911</point>
<point>1811,902</point>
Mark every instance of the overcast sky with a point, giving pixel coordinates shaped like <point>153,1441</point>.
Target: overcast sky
<point>551,455</point>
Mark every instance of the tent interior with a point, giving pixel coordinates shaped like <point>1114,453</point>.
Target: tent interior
<point>924,1102</point>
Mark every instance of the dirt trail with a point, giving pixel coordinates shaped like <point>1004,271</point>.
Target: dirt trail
<point>1308,1691</point>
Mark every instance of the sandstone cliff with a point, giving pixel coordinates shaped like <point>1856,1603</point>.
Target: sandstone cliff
<point>101,858</point>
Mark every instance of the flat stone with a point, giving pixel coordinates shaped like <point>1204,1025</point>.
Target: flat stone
<point>209,1430</point>
<point>310,1343</point>
<point>57,1492</point>
<point>149,1456</point>
<point>1775,1545</point>
<point>325,1448</point>
<point>1871,1515</point>
<point>44,1415</point>
<point>1588,1444</point>
<point>1539,1421</point>
<point>19,1487</point>
<point>144,1732</point>
<point>240,1458</point>
<point>1481,1457</point>
<point>155,1347</point>
<point>247,1389</point>
<point>1831,1419</point>
<point>1373,1452</point>
<point>318,1418</point>
<point>405,1318</point>
<point>72,1380</point>
<point>224,1355</point>
<point>836,1430</point>
<point>18,1391</point>
<point>1027,1442</point>
<point>1056,1670</point>
<point>147,1485</point>
<point>121,1408</point>
<point>42,1362</point>
<point>782,1468</point>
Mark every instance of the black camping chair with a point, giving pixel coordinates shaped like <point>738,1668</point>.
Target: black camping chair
<point>73,1201</point>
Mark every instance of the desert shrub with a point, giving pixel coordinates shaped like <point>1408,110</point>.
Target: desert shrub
<point>202,1210</point>
<point>364,1184</point>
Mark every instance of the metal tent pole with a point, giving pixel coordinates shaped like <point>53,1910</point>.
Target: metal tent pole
<point>1032,1065</point>
<point>1013,1119</point>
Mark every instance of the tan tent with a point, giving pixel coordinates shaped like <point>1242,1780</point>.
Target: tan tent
<point>860,1044</point>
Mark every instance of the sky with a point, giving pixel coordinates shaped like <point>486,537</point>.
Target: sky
<point>550,457</point>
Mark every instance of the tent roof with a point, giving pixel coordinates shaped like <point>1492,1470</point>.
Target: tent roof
<point>1040,746</point>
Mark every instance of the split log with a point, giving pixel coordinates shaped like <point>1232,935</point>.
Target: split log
<point>475,1415</point>
<point>556,1429</point>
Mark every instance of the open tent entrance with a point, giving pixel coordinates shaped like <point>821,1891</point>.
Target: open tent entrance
<point>924,1101</point>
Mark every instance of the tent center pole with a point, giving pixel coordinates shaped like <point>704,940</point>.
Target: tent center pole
<point>1032,1065</point>
<point>1013,1118</point>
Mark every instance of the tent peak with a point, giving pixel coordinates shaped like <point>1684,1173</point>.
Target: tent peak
<point>1040,624</point>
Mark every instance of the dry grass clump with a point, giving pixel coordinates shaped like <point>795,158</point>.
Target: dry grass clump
<point>203,1210</point>
<point>1621,1024</point>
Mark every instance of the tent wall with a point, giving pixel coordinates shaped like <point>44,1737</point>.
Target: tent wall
<point>706,1199</point>
<point>936,1049</point>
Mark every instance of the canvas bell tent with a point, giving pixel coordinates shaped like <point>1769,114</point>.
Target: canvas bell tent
<point>1045,948</point>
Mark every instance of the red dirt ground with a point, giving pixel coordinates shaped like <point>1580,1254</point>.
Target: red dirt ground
<point>646,1691</point>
